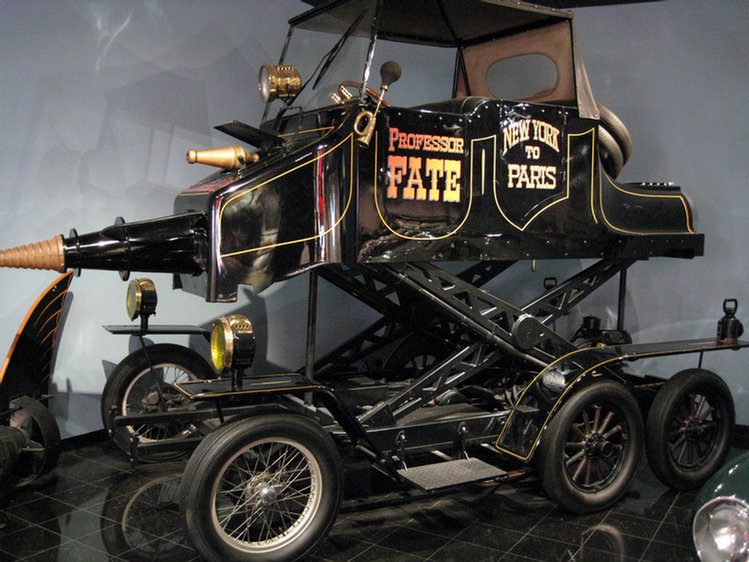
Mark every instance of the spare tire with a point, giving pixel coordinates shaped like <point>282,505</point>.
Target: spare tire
<point>614,141</point>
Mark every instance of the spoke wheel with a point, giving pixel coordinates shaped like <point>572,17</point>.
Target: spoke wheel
<point>267,488</point>
<point>142,383</point>
<point>591,448</point>
<point>689,428</point>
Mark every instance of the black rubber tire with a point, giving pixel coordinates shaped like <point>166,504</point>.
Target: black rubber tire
<point>244,456</point>
<point>689,428</point>
<point>411,356</point>
<point>614,141</point>
<point>42,448</point>
<point>587,460</point>
<point>130,389</point>
<point>11,441</point>
<point>618,131</point>
<point>611,153</point>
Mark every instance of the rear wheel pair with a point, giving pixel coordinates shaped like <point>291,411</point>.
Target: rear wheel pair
<point>592,446</point>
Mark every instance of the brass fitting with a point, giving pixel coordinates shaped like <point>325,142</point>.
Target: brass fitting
<point>228,157</point>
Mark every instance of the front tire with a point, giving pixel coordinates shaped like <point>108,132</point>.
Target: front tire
<point>689,428</point>
<point>591,448</point>
<point>263,489</point>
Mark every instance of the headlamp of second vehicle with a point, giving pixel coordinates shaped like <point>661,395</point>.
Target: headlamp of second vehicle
<point>721,530</point>
<point>282,81</point>
<point>232,343</point>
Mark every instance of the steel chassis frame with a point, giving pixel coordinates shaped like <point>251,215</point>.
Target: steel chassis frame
<point>412,299</point>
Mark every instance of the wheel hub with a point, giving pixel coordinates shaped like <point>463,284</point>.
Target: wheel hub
<point>694,429</point>
<point>152,401</point>
<point>262,491</point>
<point>596,446</point>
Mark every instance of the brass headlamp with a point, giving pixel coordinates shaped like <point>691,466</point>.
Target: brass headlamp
<point>282,81</point>
<point>232,343</point>
<point>141,298</point>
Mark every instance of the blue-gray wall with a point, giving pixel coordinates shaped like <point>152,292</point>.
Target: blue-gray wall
<point>99,101</point>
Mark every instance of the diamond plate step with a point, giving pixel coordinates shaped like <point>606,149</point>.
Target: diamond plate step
<point>450,473</point>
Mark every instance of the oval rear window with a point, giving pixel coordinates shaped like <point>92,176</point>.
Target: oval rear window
<point>522,77</point>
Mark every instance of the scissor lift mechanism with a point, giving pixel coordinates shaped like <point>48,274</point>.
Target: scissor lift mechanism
<point>478,329</point>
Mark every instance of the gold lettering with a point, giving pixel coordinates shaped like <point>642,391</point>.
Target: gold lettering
<point>415,184</point>
<point>393,138</point>
<point>514,133</point>
<point>435,170</point>
<point>452,179</point>
<point>533,176</point>
<point>397,166</point>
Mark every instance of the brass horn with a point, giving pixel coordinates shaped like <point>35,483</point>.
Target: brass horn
<point>390,71</point>
<point>364,134</point>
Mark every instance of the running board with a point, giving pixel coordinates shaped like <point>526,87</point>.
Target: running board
<point>450,473</point>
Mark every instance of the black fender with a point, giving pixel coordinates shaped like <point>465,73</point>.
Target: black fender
<point>539,401</point>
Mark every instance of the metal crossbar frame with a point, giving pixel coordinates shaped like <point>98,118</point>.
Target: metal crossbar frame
<point>481,323</point>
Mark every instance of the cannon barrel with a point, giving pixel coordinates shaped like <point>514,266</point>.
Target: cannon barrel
<point>173,244</point>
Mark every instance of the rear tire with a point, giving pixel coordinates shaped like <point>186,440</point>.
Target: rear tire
<point>591,447</point>
<point>132,389</point>
<point>689,428</point>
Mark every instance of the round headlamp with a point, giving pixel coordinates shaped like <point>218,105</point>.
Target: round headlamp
<point>141,298</point>
<point>282,81</point>
<point>721,530</point>
<point>232,343</point>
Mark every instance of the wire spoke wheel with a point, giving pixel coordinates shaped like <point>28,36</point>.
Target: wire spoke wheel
<point>266,488</point>
<point>689,428</point>
<point>268,494</point>
<point>152,391</point>
<point>143,383</point>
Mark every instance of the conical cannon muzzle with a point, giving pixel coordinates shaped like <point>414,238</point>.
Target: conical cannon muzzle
<point>48,254</point>
<point>174,244</point>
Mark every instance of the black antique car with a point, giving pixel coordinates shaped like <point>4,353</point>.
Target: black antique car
<point>412,199</point>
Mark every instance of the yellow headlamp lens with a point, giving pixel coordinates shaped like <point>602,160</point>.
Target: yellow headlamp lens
<point>221,344</point>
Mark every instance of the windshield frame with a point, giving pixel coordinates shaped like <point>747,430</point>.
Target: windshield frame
<point>453,27</point>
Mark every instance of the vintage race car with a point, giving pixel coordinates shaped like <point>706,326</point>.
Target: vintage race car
<point>480,142</point>
<point>459,174</point>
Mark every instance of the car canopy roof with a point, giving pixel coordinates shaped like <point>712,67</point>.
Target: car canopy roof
<point>434,22</point>
<point>445,23</point>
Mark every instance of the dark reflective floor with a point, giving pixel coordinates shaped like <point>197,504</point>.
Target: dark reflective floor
<point>97,508</point>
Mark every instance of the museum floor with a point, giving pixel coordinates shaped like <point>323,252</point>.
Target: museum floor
<point>97,508</point>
